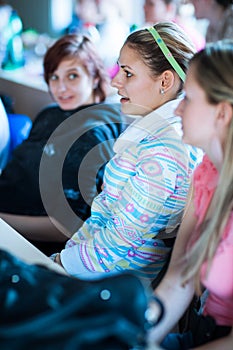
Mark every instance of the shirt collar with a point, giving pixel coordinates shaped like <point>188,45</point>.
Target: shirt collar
<point>145,126</point>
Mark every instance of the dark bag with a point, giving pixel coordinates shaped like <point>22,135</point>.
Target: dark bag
<point>203,328</point>
<point>41,309</point>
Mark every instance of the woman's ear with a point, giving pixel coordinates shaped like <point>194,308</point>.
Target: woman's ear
<point>167,80</point>
<point>224,113</point>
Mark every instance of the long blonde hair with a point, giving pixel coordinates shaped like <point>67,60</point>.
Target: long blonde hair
<point>213,71</point>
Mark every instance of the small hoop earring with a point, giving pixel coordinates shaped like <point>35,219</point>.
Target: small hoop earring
<point>162,91</point>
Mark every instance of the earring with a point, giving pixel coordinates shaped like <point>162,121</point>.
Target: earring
<point>162,91</point>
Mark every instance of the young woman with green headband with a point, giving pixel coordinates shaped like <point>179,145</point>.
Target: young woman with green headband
<point>134,219</point>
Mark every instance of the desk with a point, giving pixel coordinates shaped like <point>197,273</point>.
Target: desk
<point>27,89</point>
<point>17,245</point>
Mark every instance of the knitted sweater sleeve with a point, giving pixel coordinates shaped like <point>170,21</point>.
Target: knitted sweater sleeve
<point>144,190</point>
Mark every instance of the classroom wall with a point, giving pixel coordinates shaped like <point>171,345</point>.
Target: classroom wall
<point>44,15</point>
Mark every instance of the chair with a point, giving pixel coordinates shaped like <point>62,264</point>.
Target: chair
<point>20,126</point>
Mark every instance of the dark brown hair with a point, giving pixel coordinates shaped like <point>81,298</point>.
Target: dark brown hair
<point>81,47</point>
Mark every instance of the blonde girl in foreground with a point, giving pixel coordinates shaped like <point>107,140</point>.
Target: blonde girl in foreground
<point>203,252</point>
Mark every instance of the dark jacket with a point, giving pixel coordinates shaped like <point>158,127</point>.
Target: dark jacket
<point>59,169</point>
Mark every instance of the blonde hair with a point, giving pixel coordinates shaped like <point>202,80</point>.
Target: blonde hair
<point>213,71</point>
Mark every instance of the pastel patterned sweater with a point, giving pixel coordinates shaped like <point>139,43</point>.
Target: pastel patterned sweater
<point>145,188</point>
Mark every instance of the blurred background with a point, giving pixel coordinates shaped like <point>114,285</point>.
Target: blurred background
<point>29,27</point>
<point>53,16</point>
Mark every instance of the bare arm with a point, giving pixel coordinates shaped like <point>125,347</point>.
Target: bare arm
<point>176,298</point>
<point>37,228</point>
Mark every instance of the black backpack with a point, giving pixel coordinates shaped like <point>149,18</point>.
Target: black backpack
<point>42,309</point>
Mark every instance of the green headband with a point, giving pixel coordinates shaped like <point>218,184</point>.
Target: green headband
<point>167,53</point>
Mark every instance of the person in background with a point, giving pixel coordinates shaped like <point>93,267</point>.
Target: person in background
<point>113,31</point>
<point>86,17</point>
<point>168,10</point>
<point>11,43</point>
<point>101,20</point>
<point>8,36</point>
<point>146,182</point>
<point>203,251</point>
<point>4,137</point>
<point>79,85</point>
<point>219,13</point>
